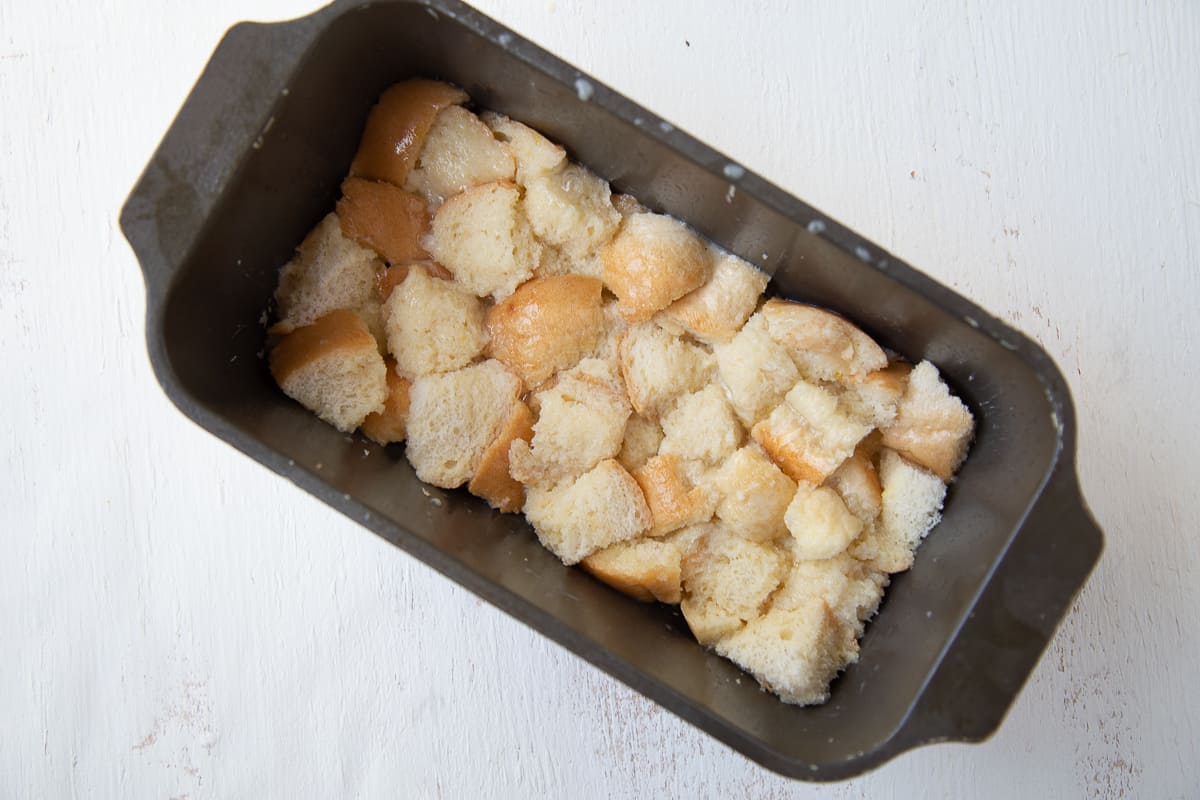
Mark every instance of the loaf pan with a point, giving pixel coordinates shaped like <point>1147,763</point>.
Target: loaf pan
<point>255,158</point>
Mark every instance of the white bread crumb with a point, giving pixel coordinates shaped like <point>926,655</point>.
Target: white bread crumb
<point>333,368</point>
<point>702,427</point>
<point>536,155</point>
<point>932,426</point>
<point>754,495</point>
<point>581,420</point>
<point>482,237</point>
<point>602,507</point>
<point>432,325</point>
<point>726,581</point>
<point>659,367</point>
<point>570,209</point>
<point>755,371</point>
<point>459,152</point>
<point>912,503</point>
<point>328,272</point>
<point>820,524</point>
<point>808,435</point>
<point>454,416</point>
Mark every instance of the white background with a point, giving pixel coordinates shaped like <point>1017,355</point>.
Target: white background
<point>177,622</point>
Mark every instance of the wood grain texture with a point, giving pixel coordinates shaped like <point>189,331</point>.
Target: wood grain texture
<point>178,622</point>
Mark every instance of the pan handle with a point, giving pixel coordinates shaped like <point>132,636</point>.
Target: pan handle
<point>213,130</point>
<point>1014,619</point>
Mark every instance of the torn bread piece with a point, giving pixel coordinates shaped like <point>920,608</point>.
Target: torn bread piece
<point>653,261</point>
<point>717,310</point>
<point>397,128</point>
<point>384,218</point>
<point>755,370</point>
<point>754,495</point>
<point>820,524</point>
<point>857,481</point>
<point>432,325</point>
<point>824,346</point>
<point>536,155</point>
<point>581,421</point>
<point>454,416</point>
<point>328,272</point>
<point>875,397</point>
<point>673,501</point>
<point>851,589</point>
<point>911,505</point>
<point>389,425</point>
<point>570,210</point>
<point>333,368</point>
<point>932,426</point>
<point>459,152</point>
<point>793,652</point>
<point>702,427</point>
<point>598,509</point>
<point>492,480</point>
<point>808,435</point>
<point>659,367</point>
<point>482,237</point>
<point>726,581</point>
<point>546,325</point>
<point>645,569</point>
<point>641,441</point>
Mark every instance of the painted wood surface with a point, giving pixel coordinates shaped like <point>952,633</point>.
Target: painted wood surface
<point>175,621</point>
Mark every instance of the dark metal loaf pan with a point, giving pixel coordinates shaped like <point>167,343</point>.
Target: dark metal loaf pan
<point>255,158</point>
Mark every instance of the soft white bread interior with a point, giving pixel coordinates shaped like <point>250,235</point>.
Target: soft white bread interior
<point>536,155</point>
<point>387,219</point>
<point>328,272</point>
<point>482,237</point>
<point>570,209</point>
<point>755,370</point>
<point>702,427</point>
<point>581,420</point>
<point>397,128</point>
<point>432,325</point>
<point>389,425</point>
<point>726,582</point>
<point>932,426</point>
<point>820,524</point>
<point>645,569</point>
<point>641,441</point>
<point>492,480</point>
<point>852,591</point>
<point>717,310</point>
<point>454,416</point>
<point>546,325</point>
<point>857,481</point>
<point>794,652</point>
<point>653,261</point>
<point>809,434</point>
<point>911,505</point>
<point>673,500</point>
<point>459,152</point>
<point>754,495</point>
<point>659,367</point>
<point>824,346</point>
<point>333,368</point>
<point>600,508</point>
<point>874,397</point>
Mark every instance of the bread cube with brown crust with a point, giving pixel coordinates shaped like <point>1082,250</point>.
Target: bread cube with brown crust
<point>333,368</point>
<point>653,261</point>
<point>546,325</point>
<point>397,128</point>
<point>932,427</point>
<point>386,219</point>
<point>459,152</point>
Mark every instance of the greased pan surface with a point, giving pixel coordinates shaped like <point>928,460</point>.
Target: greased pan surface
<point>255,158</point>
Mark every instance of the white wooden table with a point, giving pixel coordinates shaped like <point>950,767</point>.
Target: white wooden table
<point>175,621</point>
